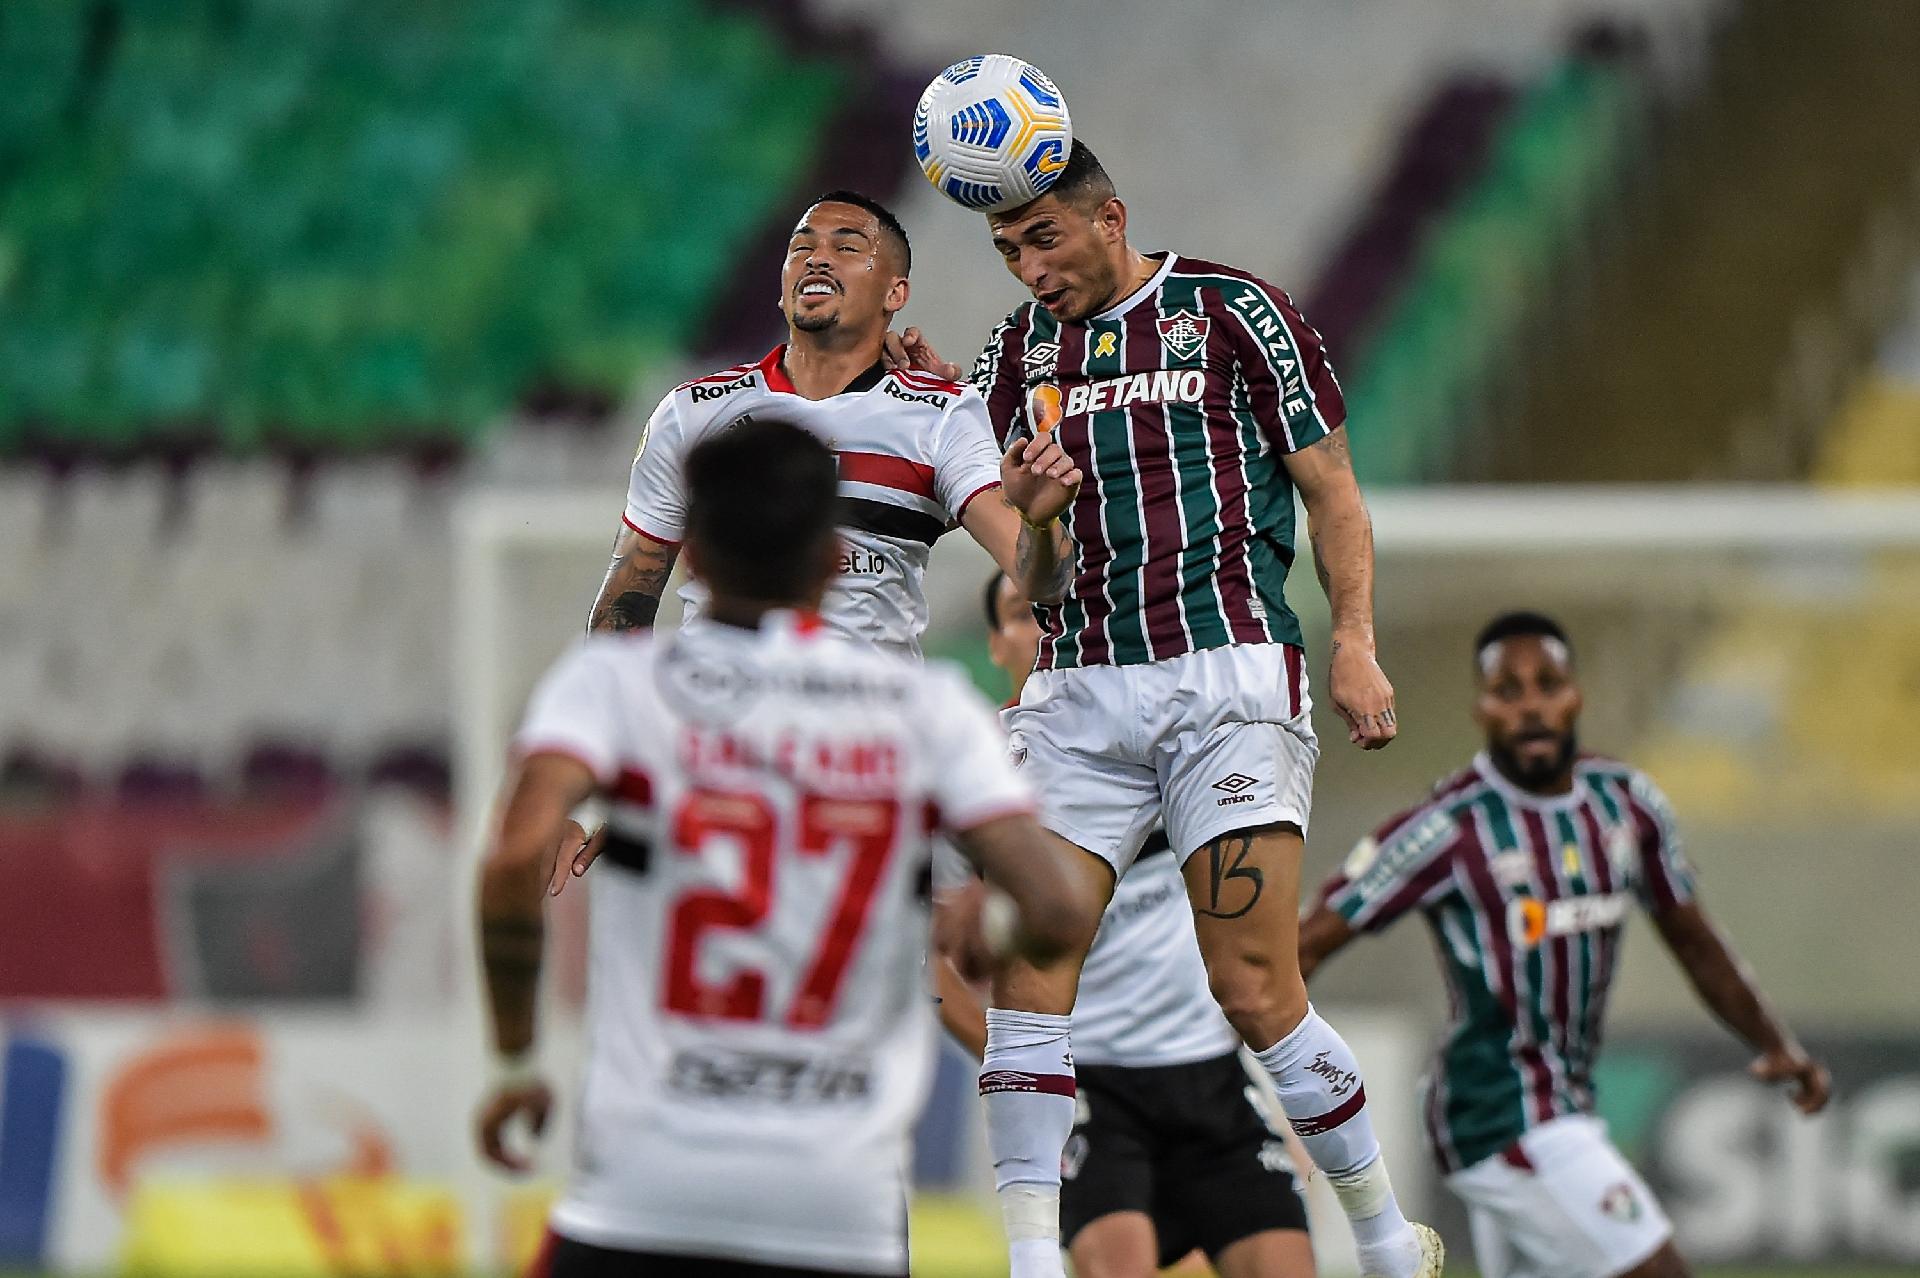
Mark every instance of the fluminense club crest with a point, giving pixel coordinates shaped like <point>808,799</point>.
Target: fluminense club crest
<point>1183,333</point>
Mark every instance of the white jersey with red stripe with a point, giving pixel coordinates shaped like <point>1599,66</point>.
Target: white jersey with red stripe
<point>914,451</point>
<point>759,1021</point>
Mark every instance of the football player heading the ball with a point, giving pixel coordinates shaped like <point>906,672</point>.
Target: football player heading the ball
<point>1171,685</point>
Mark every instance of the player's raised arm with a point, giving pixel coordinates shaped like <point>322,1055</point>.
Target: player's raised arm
<point>1020,525</point>
<point>1010,503</point>
<point>648,543</point>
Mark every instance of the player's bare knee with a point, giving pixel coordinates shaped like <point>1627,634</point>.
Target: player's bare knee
<point>1259,992</point>
<point>1060,928</point>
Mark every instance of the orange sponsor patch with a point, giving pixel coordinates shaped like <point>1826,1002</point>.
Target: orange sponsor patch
<point>1043,407</point>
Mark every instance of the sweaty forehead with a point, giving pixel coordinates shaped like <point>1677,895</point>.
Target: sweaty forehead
<point>1517,654</point>
<point>830,216</point>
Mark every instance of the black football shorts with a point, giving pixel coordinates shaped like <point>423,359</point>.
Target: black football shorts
<point>1183,1144</point>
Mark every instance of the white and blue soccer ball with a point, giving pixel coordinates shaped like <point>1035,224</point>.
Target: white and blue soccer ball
<point>992,133</point>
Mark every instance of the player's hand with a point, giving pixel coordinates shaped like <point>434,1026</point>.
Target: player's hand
<point>1362,695</point>
<point>576,852</point>
<point>533,1101</point>
<point>911,350</point>
<point>1038,478</point>
<point>973,928</point>
<point>1808,1083</point>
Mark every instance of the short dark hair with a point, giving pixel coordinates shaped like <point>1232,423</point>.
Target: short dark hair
<point>888,222</point>
<point>1084,182</point>
<point>992,599</point>
<point>761,504</point>
<point>1512,625</point>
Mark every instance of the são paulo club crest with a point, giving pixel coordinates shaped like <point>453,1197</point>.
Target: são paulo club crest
<point>1183,333</point>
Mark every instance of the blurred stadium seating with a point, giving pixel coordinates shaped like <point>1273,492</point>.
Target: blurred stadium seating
<point>1820,674</point>
<point>285,282</point>
<point>262,223</point>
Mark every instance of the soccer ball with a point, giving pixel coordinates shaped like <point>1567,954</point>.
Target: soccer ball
<point>992,133</point>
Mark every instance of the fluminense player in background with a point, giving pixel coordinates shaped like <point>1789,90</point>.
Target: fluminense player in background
<point>760,1039</point>
<point>916,453</point>
<point>1526,864</point>
<point>1174,1147</point>
<point>1171,685</point>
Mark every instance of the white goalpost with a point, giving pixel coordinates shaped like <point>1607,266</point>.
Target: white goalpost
<point>527,563</point>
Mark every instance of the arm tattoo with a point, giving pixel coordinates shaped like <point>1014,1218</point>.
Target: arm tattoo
<point>512,945</point>
<point>1227,859</point>
<point>633,611</point>
<point>1320,562</point>
<point>1026,549</point>
<point>1334,445</point>
<point>630,595</point>
<point>510,950</point>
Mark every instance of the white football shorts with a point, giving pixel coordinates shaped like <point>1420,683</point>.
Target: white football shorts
<point>1565,1205</point>
<point>1210,742</point>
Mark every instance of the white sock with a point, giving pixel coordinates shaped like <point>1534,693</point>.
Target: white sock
<point>1027,1086</point>
<point>1319,1083</point>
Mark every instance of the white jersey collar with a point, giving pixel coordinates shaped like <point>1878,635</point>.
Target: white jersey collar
<point>1483,764</point>
<point>1142,293</point>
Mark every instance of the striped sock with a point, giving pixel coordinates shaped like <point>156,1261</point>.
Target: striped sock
<point>1318,1079</point>
<point>1026,1084</point>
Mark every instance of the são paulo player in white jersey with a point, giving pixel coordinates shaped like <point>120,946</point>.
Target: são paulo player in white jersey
<point>760,1034</point>
<point>916,452</point>
<point>1175,1147</point>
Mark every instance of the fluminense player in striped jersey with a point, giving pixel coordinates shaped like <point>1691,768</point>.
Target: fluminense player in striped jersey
<point>1526,864</point>
<point>1174,1148</point>
<point>1170,685</point>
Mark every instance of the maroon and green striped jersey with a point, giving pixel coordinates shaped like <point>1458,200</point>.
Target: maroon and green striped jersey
<point>1178,405</point>
<point>1526,896</point>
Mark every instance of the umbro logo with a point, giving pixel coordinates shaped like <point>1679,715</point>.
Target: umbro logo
<point>1233,788</point>
<point>1040,359</point>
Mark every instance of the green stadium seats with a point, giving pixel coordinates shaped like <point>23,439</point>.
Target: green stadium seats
<point>1478,274</point>
<point>340,223</point>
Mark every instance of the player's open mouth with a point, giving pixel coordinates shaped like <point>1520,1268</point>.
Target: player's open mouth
<point>816,288</point>
<point>1052,298</point>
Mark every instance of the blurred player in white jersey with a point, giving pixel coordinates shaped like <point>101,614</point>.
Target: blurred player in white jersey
<point>1172,1149</point>
<point>916,452</point>
<point>758,1020</point>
